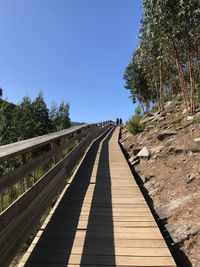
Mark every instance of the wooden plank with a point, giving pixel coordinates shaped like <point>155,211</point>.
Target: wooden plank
<point>122,251</point>
<point>113,260</point>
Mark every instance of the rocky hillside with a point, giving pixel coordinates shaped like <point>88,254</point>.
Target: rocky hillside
<point>166,158</point>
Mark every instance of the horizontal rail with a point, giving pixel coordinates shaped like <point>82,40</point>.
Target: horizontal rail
<point>18,148</point>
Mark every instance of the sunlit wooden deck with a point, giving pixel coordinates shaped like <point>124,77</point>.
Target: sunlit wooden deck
<point>101,218</point>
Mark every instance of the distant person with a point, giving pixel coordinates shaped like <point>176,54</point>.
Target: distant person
<point>117,121</point>
<point>120,121</point>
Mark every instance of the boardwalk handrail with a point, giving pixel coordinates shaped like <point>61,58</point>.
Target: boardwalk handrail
<point>18,220</point>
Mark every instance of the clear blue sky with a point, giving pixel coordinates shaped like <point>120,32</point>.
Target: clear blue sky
<point>72,50</point>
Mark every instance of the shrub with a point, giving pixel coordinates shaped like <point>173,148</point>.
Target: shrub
<point>197,120</point>
<point>177,119</point>
<point>134,125</point>
<point>154,109</point>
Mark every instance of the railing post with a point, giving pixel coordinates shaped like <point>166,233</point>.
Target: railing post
<point>58,156</point>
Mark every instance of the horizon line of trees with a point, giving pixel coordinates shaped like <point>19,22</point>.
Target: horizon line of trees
<point>166,62</point>
<point>29,119</point>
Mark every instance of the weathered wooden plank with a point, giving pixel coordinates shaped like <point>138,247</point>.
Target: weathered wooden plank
<point>102,260</point>
<point>120,251</point>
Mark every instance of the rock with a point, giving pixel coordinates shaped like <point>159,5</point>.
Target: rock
<point>190,178</point>
<point>176,149</point>
<point>149,127</point>
<point>184,111</point>
<point>180,232</point>
<point>156,118</point>
<point>145,120</point>
<point>144,153</point>
<point>136,151</point>
<point>190,118</point>
<point>130,146</point>
<point>156,149</point>
<point>152,184</point>
<point>197,140</point>
<point>197,115</point>
<point>161,119</point>
<point>168,105</point>
<point>193,150</point>
<point>161,136</point>
<point>134,160</point>
<point>165,210</point>
<point>152,192</point>
<point>145,178</point>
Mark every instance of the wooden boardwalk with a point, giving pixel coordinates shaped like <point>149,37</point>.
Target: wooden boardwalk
<point>101,218</point>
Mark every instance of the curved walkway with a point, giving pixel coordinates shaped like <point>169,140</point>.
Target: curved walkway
<point>101,219</point>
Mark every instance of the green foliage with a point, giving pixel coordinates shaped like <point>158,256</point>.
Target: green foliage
<point>60,116</point>
<point>177,119</point>
<point>134,125</point>
<point>138,110</point>
<point>154,109</point>
<point>166,62</point>
<point>30,119</point>
<point>197,120</point>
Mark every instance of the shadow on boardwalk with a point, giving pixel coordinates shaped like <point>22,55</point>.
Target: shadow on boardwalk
<point>55,244</point>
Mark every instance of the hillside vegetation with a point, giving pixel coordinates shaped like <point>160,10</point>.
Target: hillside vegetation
<point>166,62</point>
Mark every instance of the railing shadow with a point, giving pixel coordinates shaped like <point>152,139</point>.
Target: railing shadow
<point>99,240</point>
<point>56,242</point>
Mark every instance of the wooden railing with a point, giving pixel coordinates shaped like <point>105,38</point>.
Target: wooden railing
<point>18,219</point>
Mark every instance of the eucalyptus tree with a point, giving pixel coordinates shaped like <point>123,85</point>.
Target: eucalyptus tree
<point>177,22</point>
<point>136,81</point>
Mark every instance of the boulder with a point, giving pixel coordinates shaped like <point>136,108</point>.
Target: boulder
<point>130,146</point>
<point>190,118</point>
<point>145,178</point>
<point>180,232</point>
<point>134,160</point>
<point>190,178</point>
<point>184,111</point>
<point>168,104</point>
<point>144,153</point>
<point>161,136</point>
<point>156,149</point>
<point>176,149</point>
<point>197,140</point>
<point>148,119</point>
<point>149,127</point>
<point>165,210</point>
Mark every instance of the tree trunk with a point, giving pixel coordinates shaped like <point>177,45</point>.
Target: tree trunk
<point>142,106</point>
<point>156,85</point>
<point>161,86</point>
<point>180,74</point>
<point>191,73</point>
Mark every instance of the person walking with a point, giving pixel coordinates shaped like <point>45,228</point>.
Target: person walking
<point>117,121</point>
